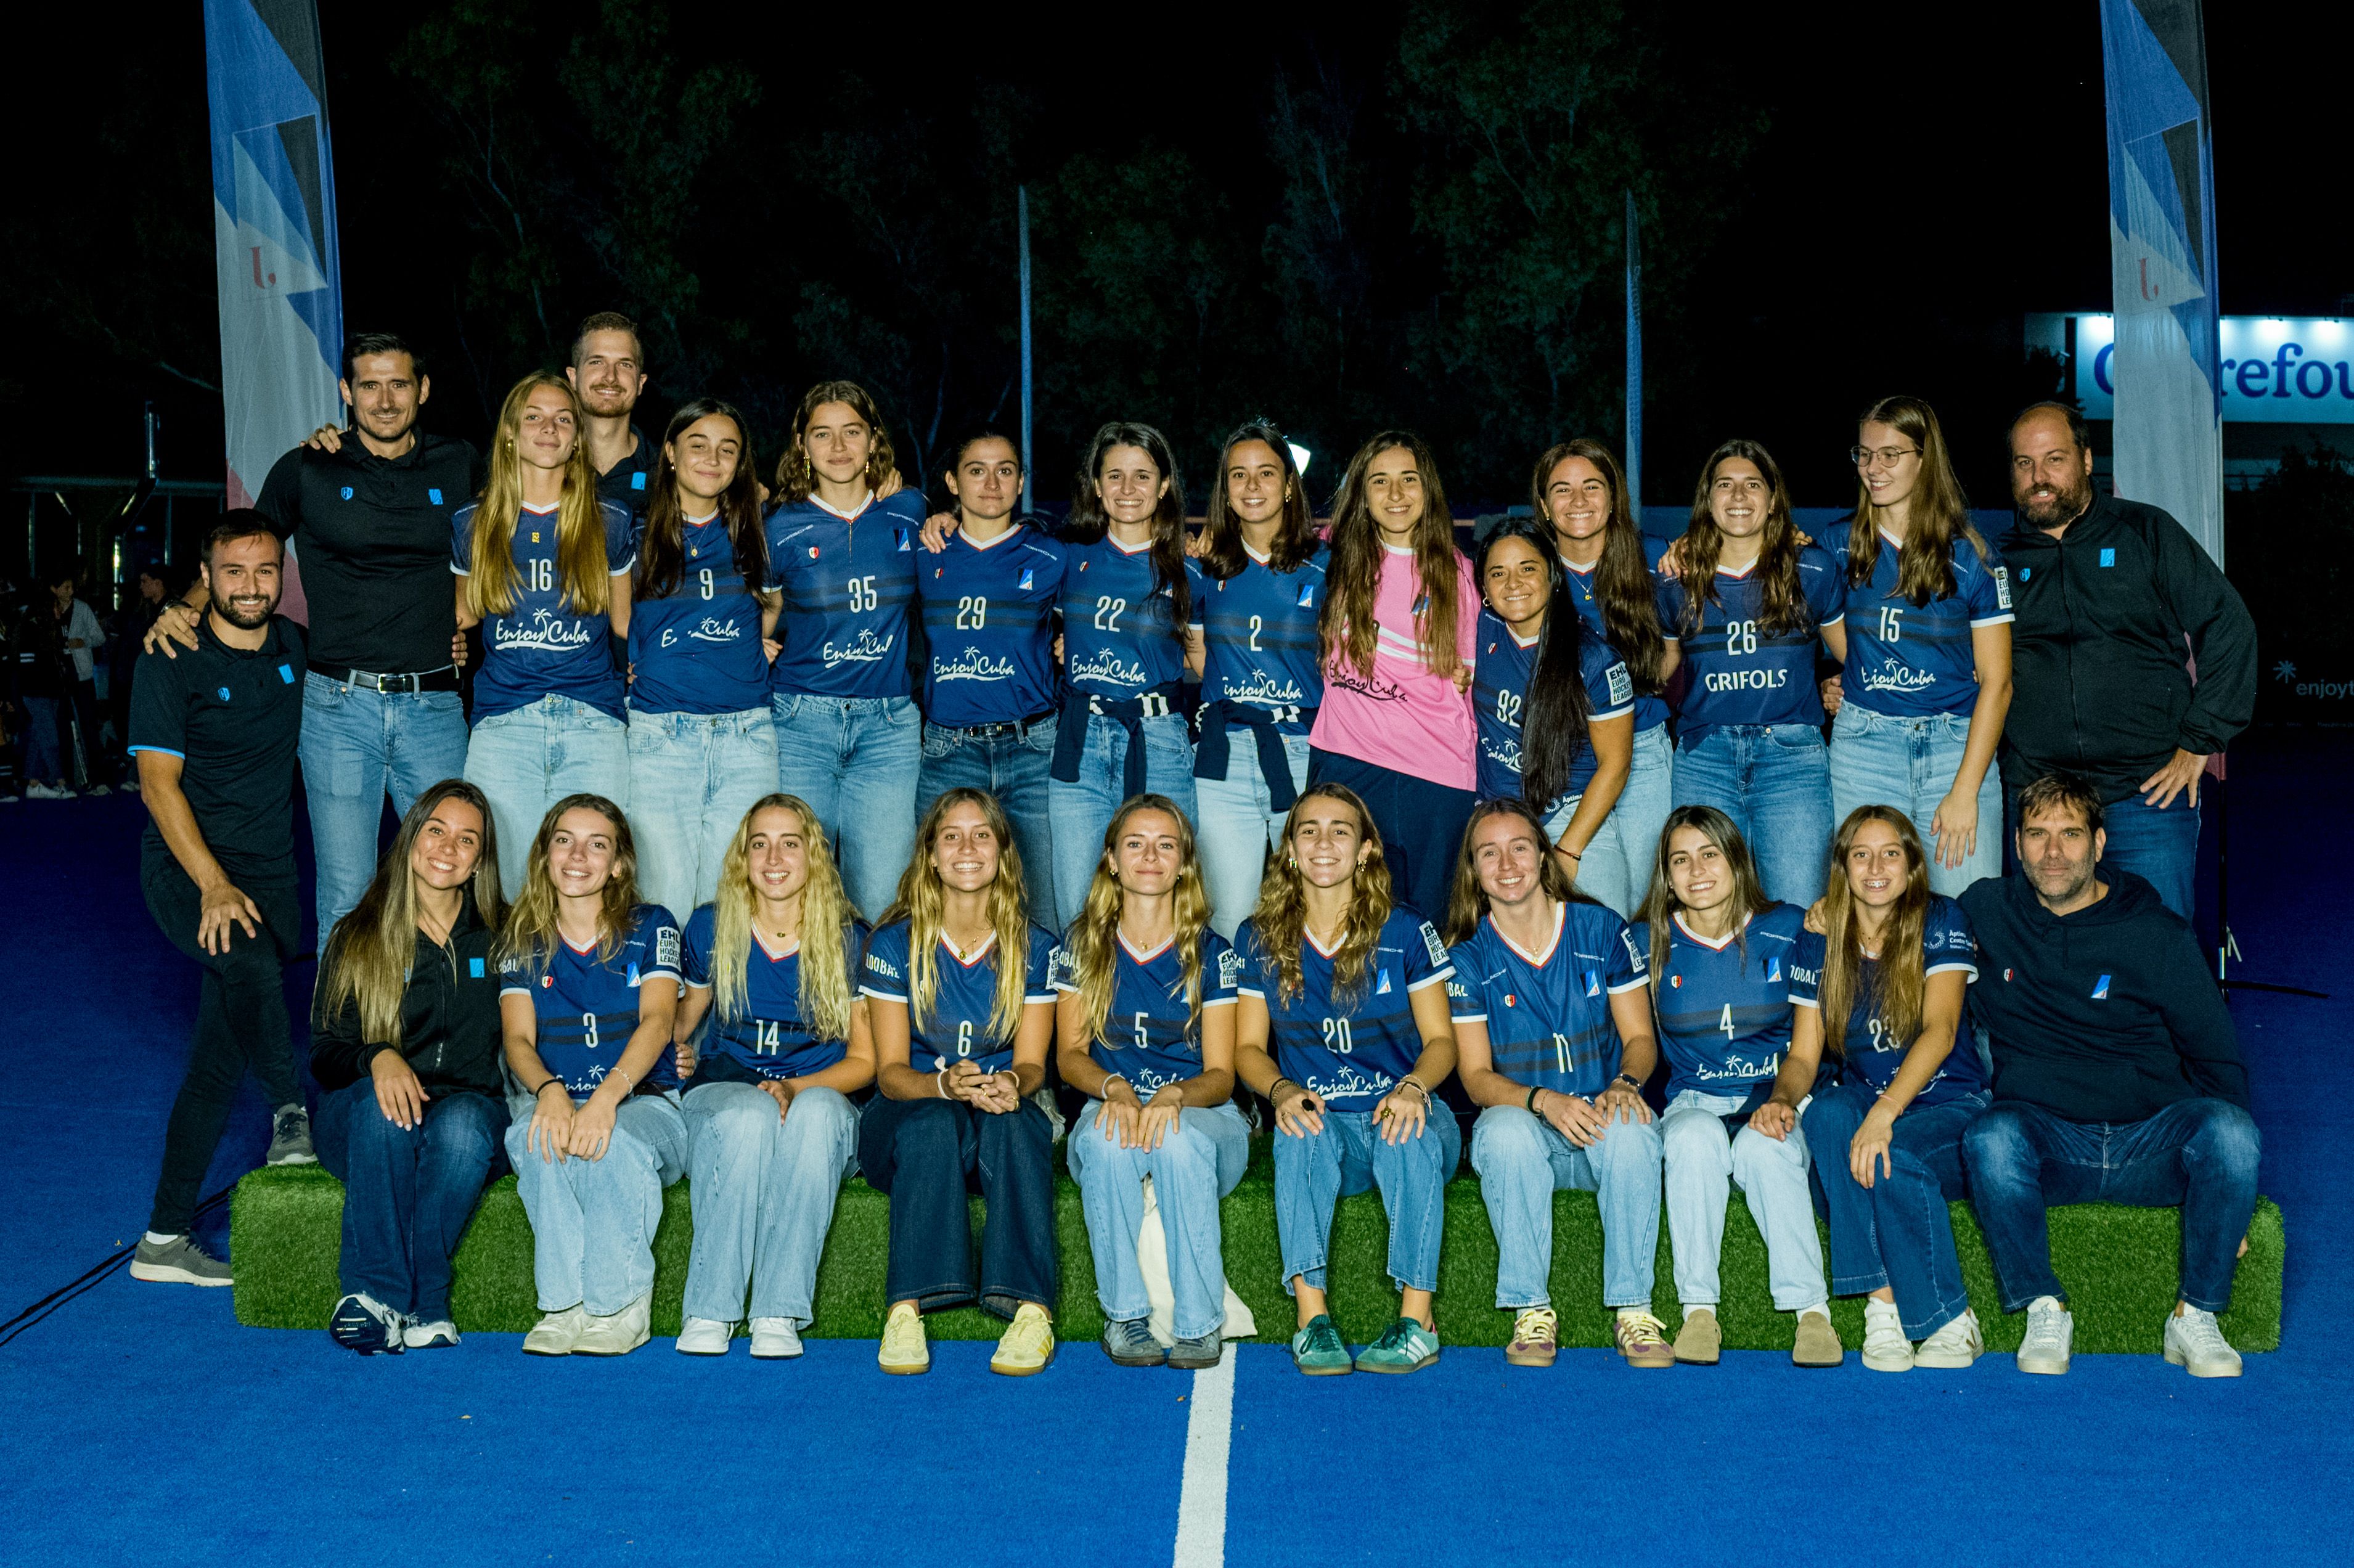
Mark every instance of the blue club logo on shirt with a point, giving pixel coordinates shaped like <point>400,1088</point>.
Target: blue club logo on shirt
<point>2025,573</point>
<point>1307,596</point>
<point>899,540</point>
<point>1592,983</point>
<point>638,480</point>
<point>1773,969</point>
<point>474,967</point>
<point>223,694</point>
<point>433,493</point>
<point>2108,558</point>
<point>1382,988</point>
<point>347,493</point>
<point>2101,989</point>
<point>286,674</point>
<point>1026,583</point>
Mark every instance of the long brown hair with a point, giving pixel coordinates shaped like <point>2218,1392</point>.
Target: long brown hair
<point>1783,607</point>
<point>531,933</point>
<point>1223,555</point>
<point>373,949</point>
<point>661,554</point>
<point>1088,521</point>
<point>1940,512</point>
<point>1556,707</point>
<point>1468,901</point>
<point>491,584</point>
<point>795,475</point>
<point>1899,983</point>
<point>922,902</point>
<point>1660,903</point>
<point>1094,936</point>
<point>1623,585</point>
<point>1346,624</point>
<point>1281,917</point>
<point>827,987</point>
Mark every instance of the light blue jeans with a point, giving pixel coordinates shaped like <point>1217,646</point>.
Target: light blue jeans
<point>691,778</point>
<point>357,744</point>
<point>854,760</point>
<point>1701,1158</point>
<point>592,1221</point>
<point>1616,866</point>
<point>1013,769</point>
<point>763,1192</point>
<point>1314,1172</point>
<point>1084,809</point>
<point>1909,764</point>
<point>1235,827</point>
<point>527,761</point>
<point>1197,1163</point>
<point>1523,1160</point>
<point>1773,781</point>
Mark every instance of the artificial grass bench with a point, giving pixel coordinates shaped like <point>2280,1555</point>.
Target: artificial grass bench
<point>285,1229</point>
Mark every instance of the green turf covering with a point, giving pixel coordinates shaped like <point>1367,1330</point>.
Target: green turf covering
<point>2119,1265</point>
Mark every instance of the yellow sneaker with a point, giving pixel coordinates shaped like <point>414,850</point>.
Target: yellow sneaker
<point>904,1351</point>
<point>1028,1345</point>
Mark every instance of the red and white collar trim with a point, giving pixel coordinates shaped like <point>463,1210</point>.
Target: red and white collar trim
<point>1713,944</point>
<point>1127,549</point>
<point>776,956</point>
<point>978,953</point>
<point>1012,531</point>
<point>1552,945</point>
<point>824,505</point>
<point>1145,957</point>
<point>1309,937</point>
<point>1726,571</point>
<point>543,511</point>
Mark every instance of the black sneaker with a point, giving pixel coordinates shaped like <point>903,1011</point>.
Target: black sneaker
<point>365,1324</point>
<point>290,1137</point>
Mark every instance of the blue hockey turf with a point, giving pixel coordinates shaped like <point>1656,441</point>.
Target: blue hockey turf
<point>140,1422</point>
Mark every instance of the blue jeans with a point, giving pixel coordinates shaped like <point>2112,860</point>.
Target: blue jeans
<point>1314,1172</point>
<point>1616,866</point>
<point>1522,1162</point>
<point>44,763</point>
<point>691,778</point>
<point>1235,825</point>
<point>763,1187</point>
<point>1896,1233</point>
<point>1911,764</point>
<point>1013,769</point>
<point>408,1192</point>
<point>592,1221</point>
<point>1773,781</point>
<point>926,1155</point>
<point>1703,1161</point>
<point>1197,1163</point>
<point>527,761</point>
<point>2198,1153</point>
<point>854,760</point>
<point>357,744</point>
<point>1083,809</point>
<point>2160,847</point>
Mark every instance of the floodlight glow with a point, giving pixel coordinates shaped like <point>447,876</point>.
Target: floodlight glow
<point>1300,456</point>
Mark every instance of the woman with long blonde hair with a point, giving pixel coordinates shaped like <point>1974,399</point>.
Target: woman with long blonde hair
<point>1397,625</point>
<point>773,962</point>
<point>1928,671</point>
<point>1882,970</point>
<point>1722,957</point>
<point>1343,1026</point>
<point>1146,1024</point>
<point>542,568</point>
<point>959,998</point>
<point>405,1045</point>
<point>588,984</point>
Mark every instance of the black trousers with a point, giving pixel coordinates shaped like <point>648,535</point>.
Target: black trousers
<point>241,1023</point>
<point>1421,825</point>
<point>924,1153</point>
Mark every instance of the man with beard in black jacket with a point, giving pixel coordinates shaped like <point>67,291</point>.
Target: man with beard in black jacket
<point>2117,1076</point>
<point>2116,606</point>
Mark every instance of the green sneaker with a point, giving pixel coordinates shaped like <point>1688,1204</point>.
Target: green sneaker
<point>1317,1348</point>
<point>1406,1346</point>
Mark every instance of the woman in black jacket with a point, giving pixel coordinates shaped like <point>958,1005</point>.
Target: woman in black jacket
<point>405,1045</point>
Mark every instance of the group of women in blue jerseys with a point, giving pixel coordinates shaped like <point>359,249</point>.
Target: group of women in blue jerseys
<point>1324,818</point>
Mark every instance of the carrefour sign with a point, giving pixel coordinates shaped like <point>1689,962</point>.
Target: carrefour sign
<point>2276,371</point>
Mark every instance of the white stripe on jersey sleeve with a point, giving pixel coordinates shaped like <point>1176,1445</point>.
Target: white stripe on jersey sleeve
<point>1614,713</point>
<point>1437,977</point>
<point>1639,983</point>
<point>1219,1001</point>
<point>1954,966</point>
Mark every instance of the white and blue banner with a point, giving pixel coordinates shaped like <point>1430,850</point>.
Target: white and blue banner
<point>2168,373</point>
<point>281,298</point>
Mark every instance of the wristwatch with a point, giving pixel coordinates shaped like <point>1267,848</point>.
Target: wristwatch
<point>1633,1084</point>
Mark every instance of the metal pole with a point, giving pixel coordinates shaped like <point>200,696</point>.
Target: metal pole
<point>1022,219</point>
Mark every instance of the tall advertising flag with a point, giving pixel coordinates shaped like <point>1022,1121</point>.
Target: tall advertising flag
<point>2169,433</point>
<point>282,296</point>
<point>1634,362</point>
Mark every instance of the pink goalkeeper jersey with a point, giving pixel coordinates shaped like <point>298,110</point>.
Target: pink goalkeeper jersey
<point>1405,718</point>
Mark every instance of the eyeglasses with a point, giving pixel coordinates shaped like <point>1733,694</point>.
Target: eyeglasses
<point>1879,457</point>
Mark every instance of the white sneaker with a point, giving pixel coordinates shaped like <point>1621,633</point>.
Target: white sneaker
<point>704,1336</point>
<point>1958,1345</point>
<point>775,1339</point>
<point>1885,1347</point>
<point>36,790</point>
<point>2194,1344</point>
<point>429,1336</point>
<point>2051,1333</point>
<point>556,1333</point>
<point>616,1333</point>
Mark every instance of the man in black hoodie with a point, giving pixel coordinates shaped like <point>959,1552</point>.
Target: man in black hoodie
<point>2115,601</point>
<point>2117,1076</point>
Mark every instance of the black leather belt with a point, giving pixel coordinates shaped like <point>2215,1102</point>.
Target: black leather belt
<point>1016,727</point>
<point>441,680</point>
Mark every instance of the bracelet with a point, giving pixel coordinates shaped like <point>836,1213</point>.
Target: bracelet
<point>1531,1101</point>
<point>1573,854</point>
<point>1110,1079</point>
<point>1631,1081</point>
<point>1276,1084</point>
<point>940,1081</point>
<point>628,1083</point>
<point>1420,1087</point>
<point>551,1078</point>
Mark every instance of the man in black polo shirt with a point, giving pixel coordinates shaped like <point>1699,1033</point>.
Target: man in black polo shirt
<point>214,732</point>
<point>608,372</point>
<point>370,525</point>
<point>2115,601</point>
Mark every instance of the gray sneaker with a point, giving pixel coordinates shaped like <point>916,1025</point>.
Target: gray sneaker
<point>1197,1355</point>
<point>290,1137</point>
<point>178,1262</point>
<point>1131,1344</point>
